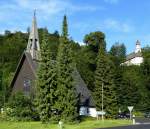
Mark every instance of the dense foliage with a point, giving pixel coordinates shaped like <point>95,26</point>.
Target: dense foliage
<point>67,97</point>
<point>12,46</point>
<point>46,81</point>
<point>125,85</point>
<point>86,60</point>
<point>20,108</point>
<point>104,89</point>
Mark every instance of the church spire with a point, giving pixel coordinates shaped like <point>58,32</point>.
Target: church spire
<point>138,46</point>
<point>33,46</point>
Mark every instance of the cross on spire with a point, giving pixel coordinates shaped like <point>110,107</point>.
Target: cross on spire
<point>33,46</point>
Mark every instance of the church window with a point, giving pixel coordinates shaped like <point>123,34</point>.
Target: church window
<point>35,44</point>
<point>27,86</point>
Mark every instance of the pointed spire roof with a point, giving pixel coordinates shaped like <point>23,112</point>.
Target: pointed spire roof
<point>138,46</point>
<point>138,42</point>
<point>33,46</point>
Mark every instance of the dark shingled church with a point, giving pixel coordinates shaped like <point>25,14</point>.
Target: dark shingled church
<point>25,75</point>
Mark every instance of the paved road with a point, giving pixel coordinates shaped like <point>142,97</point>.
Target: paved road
<point>141,123</point>
<point>142,120</point>
<point>144,126</point>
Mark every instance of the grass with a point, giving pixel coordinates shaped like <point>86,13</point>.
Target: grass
<point>88,124</point>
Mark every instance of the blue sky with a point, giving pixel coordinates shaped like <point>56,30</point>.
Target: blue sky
<point>122,21</point>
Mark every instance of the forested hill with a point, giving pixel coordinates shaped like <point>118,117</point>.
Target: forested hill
<point>12,46</point>
<point>132,83</point>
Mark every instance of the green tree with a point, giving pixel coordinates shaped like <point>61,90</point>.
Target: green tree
<point>67,98</point>
<point>1,90</point>
<point>95,40</point>
<point>132,87</point>
<point>118,53</point>
<point>86,61</point>
<point>104,75</point>
<point>145,73</point>
<point>46,82</point>
<point>1,76</point>
<point>11,47</point>
<point>53,40</point>
<point>21,107</point>
<point>119,84</point>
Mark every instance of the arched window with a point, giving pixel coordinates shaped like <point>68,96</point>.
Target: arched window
<point>35,44</point>
<point>27,86</point>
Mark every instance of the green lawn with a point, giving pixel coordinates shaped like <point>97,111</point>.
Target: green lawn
<point>88,124</point>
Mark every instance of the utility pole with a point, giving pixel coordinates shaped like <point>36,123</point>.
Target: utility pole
<point>1,80</point>
<point>102,101</point>
<point>2,87</point>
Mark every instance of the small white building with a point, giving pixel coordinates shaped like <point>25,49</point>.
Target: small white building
<point>134,58</point>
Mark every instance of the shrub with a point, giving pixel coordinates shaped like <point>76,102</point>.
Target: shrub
<point>86,118</point>
<point>20,107</point>
<point>138,114</point>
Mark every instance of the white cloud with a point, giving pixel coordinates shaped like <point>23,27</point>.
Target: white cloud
<point>112,1</point>
<point>54,6</point>
<point>118,26</point>
<point>46,8</point>
<point>19,12</point>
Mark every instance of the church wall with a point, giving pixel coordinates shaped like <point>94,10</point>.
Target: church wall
<point>88,111</point>
<point>25,74</point>
<point>92,112</point>
<point>134,61</point>
<point>83,111</point>
<point>137,60</point>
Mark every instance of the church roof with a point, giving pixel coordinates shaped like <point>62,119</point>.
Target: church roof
<point>85,95</point>
<point>32,63</point>
<point>33,45</point>
<point>133,55</point>
<point>138,42</point>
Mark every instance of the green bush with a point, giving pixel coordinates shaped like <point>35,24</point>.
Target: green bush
<point>20,107</point>
<point>1,99</point>
<point>138,114</point>
<point>86,118</point>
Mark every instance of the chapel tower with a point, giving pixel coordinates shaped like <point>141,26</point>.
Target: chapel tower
<point>33,46</point>
<point>138,46</point>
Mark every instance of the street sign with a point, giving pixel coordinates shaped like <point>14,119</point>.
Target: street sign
<point>130,108</point>
<point>101,113</point>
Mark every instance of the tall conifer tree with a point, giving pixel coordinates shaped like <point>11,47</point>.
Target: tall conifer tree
<point>104,75</point>
<point>46,82</point>
<point>67,100</point>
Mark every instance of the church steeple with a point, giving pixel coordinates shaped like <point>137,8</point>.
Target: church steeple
<point>138,46</point>
<point>33,46</point>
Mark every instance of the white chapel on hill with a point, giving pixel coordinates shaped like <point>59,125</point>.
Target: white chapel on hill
<point>134,58</point>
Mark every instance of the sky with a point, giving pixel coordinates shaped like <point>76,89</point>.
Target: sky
<point>123,21</point>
